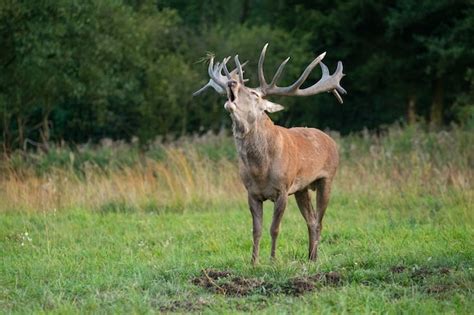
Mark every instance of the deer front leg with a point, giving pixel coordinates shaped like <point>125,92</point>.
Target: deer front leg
<point>256,208</point>
<point>279,210</point>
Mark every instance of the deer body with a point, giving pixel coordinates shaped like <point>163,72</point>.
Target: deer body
<point>275,162</point>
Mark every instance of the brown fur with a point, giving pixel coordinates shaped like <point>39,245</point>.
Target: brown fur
<point>276,162</point>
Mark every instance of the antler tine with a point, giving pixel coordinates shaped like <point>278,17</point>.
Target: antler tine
<point>239,68</point>
<point>326,75</point>
<point>295,86</point>
<point>233,72</point>
<point>226,71</point>
<point>214,71</point>
<point>279,72</point>
<point>202,89</point>
<point>261,75</point>
<point>216,81</point>
<point>339,73</point>
<point>211,68</point>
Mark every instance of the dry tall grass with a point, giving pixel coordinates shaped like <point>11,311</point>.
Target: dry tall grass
<point>178,180</point>
<point>403,162</point>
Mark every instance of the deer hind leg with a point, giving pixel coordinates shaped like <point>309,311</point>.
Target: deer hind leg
<point>279,210</point>
<point>256,208</point>
<point>323,191</point>
<point>303,199</point>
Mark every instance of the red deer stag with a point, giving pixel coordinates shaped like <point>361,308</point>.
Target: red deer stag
<point>274,161</point>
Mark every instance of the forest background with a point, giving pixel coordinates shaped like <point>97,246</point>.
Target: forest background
<point>80,71</point>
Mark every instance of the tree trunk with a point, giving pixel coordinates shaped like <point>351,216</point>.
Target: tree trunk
<point>45,132</point>
<point>436,114</point>
<point>184,121</point>
<point>411,110</point>
<point>245,11</point>
<point>6,135</point>
<point>21,132</point>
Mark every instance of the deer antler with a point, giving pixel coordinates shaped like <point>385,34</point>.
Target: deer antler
<point>327,83</point>
<point>218,81</point>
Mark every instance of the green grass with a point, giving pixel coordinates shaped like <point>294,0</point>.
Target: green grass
<point>141,261</point>
<point>110,229</point>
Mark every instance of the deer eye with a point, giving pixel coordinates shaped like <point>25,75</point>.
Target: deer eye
<point>254,94</point>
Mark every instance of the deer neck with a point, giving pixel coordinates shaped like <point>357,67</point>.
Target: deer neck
<point>255,147</point>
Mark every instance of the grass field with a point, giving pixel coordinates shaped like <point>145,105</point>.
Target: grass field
<point>111,230</point>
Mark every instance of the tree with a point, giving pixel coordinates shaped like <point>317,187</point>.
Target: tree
<point>438,36</point>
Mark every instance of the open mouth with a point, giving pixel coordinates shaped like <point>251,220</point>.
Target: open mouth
<point>230,95</point>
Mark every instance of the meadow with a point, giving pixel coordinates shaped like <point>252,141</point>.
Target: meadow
<point>113,228</point>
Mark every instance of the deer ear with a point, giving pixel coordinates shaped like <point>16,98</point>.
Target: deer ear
<point>272,107</point>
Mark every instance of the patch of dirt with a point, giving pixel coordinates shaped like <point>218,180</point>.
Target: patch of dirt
<point>421,273</point>
<point>240,286</point>
<point>301,285</point>
<point>397,269</point>
<point>444,270</point>
<point>328,278</point>
<point>223,282</point>
<point>208,277</point>
<point>298,286</point>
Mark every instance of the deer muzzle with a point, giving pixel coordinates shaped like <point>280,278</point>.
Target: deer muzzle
<point>230,106</point>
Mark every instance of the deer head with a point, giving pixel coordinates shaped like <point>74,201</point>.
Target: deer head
<point>246,105</point>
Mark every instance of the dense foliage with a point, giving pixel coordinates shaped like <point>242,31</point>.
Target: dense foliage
<point>80,71</point>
